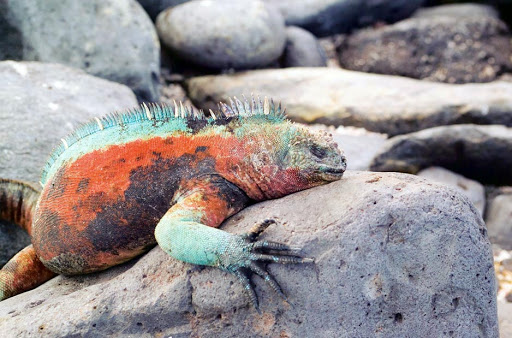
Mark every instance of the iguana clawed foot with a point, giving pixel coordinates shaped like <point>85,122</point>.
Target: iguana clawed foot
<point>243,263</point>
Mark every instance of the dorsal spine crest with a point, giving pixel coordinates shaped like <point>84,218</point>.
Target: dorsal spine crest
<point>161,112</point>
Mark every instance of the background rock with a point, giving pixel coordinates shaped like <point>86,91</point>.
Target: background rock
<point>302,49</point>
<point>483,153</point>
<point>505,320</point>
<point>386,104</point>
<point>12,240</point>
<point>472,189</point>
<point>452,47</point>
<point>155,7</point>
<point>327,17</point>
<point>394,254</point>
<point>504,7</point>
<point>113,39</point>
<point>239,35</point>
<point>41,103</point>
<point>498,217</point>
<point>330,46</point>
<point>463,10</point>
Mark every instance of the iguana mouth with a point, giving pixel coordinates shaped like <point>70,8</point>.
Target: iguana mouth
<point>332,173</point>
<point>334,170</point>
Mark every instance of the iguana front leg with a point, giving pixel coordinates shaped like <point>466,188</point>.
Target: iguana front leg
<point>188,232</point>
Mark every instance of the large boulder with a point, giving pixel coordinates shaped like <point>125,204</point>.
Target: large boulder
<point>386,104</point>
<point>483,153</point>
<point>41,103</point>
<point>112,39</point>
<point>327,17</point>
<point>394,256</point>
<point>446,45</point>
<point>223,34</point>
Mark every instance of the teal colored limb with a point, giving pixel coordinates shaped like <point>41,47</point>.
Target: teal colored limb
<point>192,242</point>
<point>188,230</point>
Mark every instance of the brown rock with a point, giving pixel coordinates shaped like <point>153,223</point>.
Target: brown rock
<point>449,47</point>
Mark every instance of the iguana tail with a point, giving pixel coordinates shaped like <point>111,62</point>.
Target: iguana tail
<point>24,271</point>
<point>18,202</point>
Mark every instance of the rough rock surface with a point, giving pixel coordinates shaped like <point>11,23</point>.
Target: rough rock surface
<point>223,34</point>
<point>483,153</point>
<point>498,217</point>
<point>302,49</point>
<point>453,48</point>
<point>472,189</point>
<point>327,17</point>
<point>41,103</point>
<point>155,7</point>
<point>394,255</point>
<point>112,39</point>
<point>386,104</point>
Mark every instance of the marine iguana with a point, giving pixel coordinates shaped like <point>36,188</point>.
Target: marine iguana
<point>168,175</point>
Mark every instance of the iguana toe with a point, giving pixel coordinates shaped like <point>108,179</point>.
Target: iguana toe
<point>262,251</point>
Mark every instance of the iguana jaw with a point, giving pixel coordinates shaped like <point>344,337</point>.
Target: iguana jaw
<point>333,173</point>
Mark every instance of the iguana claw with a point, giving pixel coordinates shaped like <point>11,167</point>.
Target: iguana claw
<point>262,251</point>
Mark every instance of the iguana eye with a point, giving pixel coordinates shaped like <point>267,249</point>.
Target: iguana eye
<point>318,152</point>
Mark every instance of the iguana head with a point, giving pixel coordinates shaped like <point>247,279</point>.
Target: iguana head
<point>286,157</point>
<point>314,155</point>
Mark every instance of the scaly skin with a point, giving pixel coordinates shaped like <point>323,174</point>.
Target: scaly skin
<point>122,183</point>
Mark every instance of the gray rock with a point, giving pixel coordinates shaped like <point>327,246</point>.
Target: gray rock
<point>12,240</point>
<point>302,49</point>
<point>41,103</point>
<point>359,145</point>
<point>472,189</point>
<point>328,17</point>
<point>498,217</point>
<point>385,104</point>
<point>155,7</point>
<point>505,320</point>
<point>483,153</point>
<point>452,48</point>
<point>113,39</point>
<point>223,34</point>
<point>461,11</point>
<point>394,254</point>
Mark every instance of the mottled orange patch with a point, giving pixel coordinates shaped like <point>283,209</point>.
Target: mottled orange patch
<point>108,173</point>
<point>207,200</point>
<point>97,182</point>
